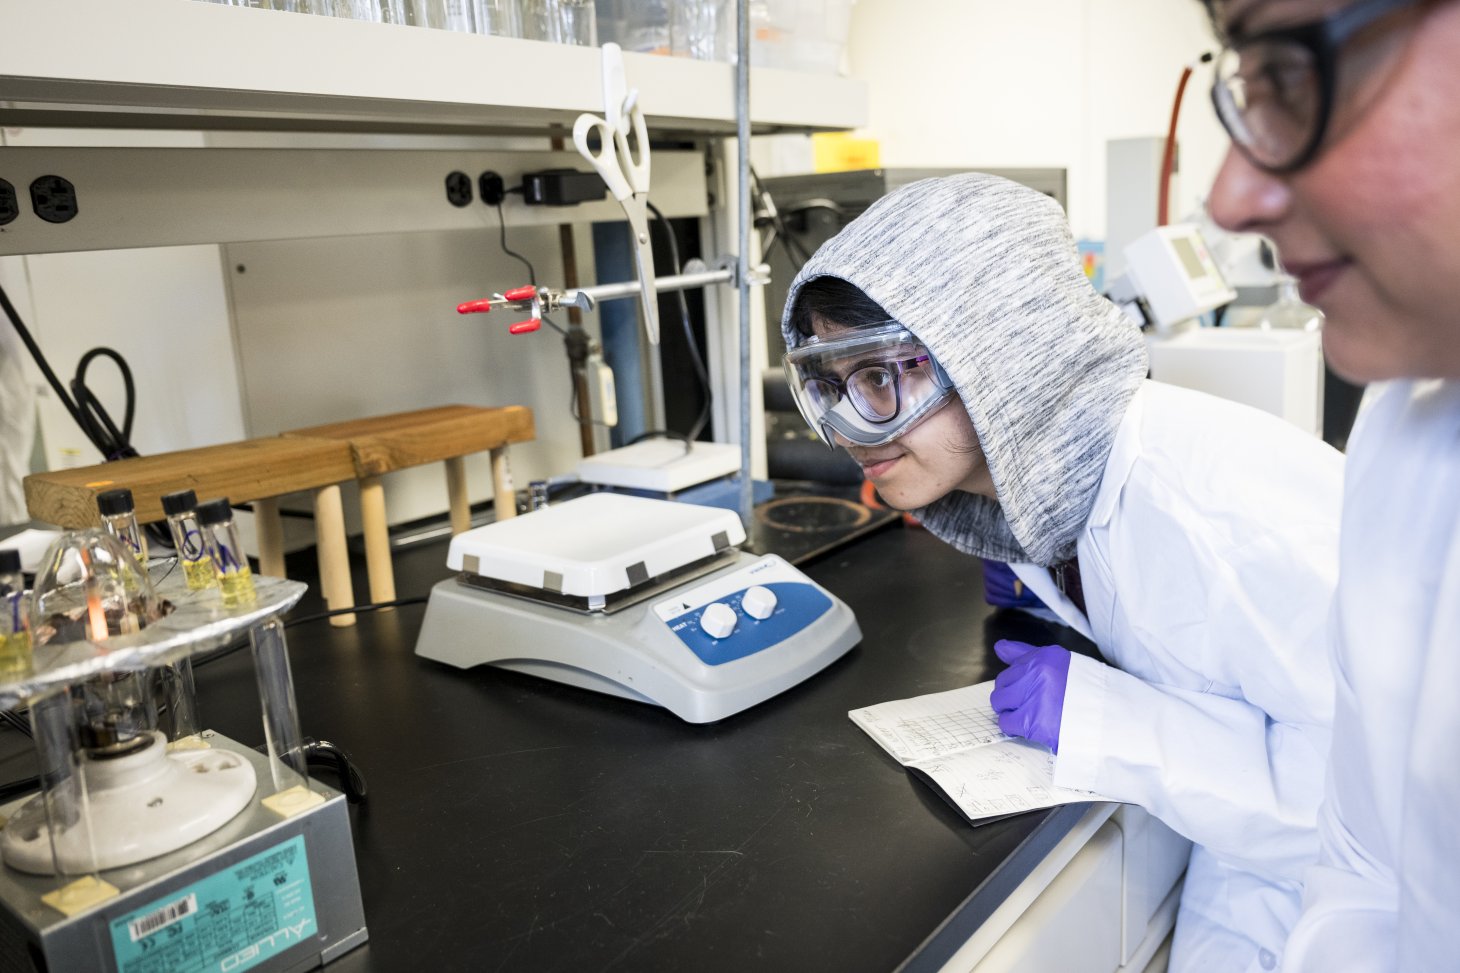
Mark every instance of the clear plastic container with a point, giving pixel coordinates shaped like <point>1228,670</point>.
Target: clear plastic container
<point>800,35</point>
<point>1288,312</point>
<point>770,33</point>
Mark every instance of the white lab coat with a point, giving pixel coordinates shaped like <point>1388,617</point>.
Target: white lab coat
<point>17,425</point>
<point>1385,894</point>
<point>1208,566</point>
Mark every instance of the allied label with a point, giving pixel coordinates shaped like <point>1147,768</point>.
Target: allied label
<point>226,923</point>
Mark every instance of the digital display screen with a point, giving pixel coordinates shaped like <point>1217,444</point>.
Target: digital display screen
<point>1195,269</point>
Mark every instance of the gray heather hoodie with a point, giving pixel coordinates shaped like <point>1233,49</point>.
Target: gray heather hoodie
<point>984,271</point>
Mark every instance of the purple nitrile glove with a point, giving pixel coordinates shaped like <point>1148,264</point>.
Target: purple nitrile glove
<point>1003,589</point>
<point>1029,696</point>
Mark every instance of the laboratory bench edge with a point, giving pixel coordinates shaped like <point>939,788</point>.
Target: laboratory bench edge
<point>518,824</point>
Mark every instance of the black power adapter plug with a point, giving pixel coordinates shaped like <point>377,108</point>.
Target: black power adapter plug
<point>562,187</point>
<point>491,187</point>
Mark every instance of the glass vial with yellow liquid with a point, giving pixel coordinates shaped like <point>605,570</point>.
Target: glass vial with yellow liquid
<point>187,539</point>
<point>119,517</point>
<point>230,563</point>
<point>15,650</point>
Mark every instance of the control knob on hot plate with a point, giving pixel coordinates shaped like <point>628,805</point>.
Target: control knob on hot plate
<point>718,620</point>
<point>759,602</point>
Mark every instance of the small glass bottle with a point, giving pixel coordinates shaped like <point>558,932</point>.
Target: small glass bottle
<point>1288,312</point>
<point>15,649</point>
<point>187,539</point>
<point>537,495</point>
<point>119,517</point>
<point>230,564</point>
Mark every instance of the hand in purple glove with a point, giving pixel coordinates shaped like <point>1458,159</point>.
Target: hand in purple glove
<point>1029,696</point>
<point>1003,589</point>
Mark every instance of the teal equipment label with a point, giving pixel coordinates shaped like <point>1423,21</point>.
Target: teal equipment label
<point>227,923</point>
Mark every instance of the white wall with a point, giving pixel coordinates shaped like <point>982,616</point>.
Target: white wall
<point>162,309</point>
<point>957,83</point>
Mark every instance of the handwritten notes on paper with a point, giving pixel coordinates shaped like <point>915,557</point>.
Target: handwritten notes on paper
<point>953,740</point>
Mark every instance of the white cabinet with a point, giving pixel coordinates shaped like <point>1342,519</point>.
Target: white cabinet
<point>1102,901</point>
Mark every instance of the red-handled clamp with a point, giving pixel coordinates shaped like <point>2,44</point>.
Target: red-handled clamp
<point>523,327</point>
<point>527,294</point>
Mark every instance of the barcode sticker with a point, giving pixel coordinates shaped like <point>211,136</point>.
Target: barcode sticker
<point>144,926</point>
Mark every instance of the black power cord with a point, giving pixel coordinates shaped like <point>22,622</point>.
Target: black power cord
<point>531,271</point>
<point>322,753</point>
<point>696,360</point>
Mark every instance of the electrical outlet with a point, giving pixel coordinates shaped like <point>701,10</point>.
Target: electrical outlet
<point>54,199</point>
<point>458,188</point>
<point>9,204</point>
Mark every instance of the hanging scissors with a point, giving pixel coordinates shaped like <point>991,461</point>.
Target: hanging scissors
<point>624,170</point>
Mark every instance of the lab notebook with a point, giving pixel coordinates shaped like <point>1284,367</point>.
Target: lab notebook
<point>952,740</point>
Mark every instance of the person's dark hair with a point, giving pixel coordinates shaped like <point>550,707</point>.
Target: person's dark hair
<point>837,301</point>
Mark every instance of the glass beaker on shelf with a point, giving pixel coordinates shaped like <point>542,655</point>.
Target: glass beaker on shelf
<point>457,15</point>
<point>702,29</point>
<point>641,26</point>
<point>500,18</point>
<point>374,11</point>
<point>560,21</point>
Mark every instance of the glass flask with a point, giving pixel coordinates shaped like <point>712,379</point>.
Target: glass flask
<point>88,588</point>
<point>1288,312</point>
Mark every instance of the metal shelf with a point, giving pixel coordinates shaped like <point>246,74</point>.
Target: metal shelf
<point>183,64</point>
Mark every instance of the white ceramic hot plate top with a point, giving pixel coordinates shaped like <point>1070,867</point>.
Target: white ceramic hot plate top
<point>596,545</point>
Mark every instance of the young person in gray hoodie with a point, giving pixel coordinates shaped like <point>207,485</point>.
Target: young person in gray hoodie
<point>950,341</point>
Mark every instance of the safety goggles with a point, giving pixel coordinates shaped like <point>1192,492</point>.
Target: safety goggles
<point>870,385</point>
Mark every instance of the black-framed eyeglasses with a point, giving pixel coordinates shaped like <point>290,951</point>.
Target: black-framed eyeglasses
<point>875,390</point>
<point>1274,91</point>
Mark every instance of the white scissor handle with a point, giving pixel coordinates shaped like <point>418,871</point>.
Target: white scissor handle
<point>614,86</point>
<point>606,158</point>
<point>636,171</point>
